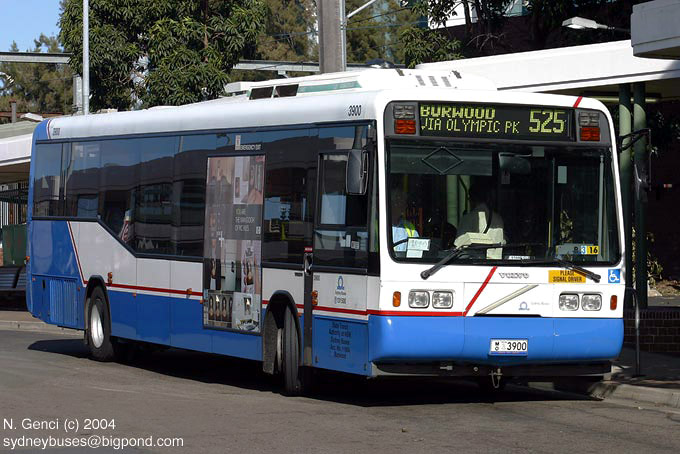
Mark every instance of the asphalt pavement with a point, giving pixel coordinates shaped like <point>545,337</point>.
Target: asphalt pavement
<point>218,404</point>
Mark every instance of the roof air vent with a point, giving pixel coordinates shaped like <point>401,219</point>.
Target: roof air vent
<point>261,92</point>
<point>283,91</point>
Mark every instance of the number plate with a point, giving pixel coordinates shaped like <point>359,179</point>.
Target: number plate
<point>518,347</point>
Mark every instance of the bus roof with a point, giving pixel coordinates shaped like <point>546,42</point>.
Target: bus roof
<point>291,101</point>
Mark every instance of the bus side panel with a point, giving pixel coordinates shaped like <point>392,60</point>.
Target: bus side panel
<point>186,312</point>
<point>242,345</point>
<point>123,314</point>
<point>55,281</point>
<point>153,309</point>
<point>99,254</point>
<point>341,344</point>
<point>186,317</point>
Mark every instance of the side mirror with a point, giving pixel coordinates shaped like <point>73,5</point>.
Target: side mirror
<point>514,164</point>
<point>642,181</point>
<point>357,172</point>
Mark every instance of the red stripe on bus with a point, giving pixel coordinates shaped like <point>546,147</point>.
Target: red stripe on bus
<point>578,101</point>
<point>481,289</point>
<point>155,289</point>
<point>416,313</point>
<point>340,310</point>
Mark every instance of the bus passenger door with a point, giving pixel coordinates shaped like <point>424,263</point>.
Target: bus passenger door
<point>339,273</point>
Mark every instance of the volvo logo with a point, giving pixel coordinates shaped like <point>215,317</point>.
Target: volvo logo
<point>514,275</point>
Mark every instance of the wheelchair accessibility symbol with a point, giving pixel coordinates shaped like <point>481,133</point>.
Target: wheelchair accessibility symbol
<point>614,276</point>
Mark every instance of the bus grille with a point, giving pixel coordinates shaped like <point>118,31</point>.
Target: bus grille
<point>63,305</point>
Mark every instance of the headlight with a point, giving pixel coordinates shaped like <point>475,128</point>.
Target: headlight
<point>591,302</point>
<point>418,299</point>
<point>568,302</point>
<point>442,300</point>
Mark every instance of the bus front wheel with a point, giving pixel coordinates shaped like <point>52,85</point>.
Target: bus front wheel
<point>99,327</point>
<point>292,380</point>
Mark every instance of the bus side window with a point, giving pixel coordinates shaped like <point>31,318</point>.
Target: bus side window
<point>118,179</point>
<point>47,180</point>
<point>289,182</point>
<point>341,237</point>
<point>153,211</point>
<point>189,179</point>
<point>81,173</point>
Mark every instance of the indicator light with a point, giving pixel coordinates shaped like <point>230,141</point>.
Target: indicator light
<point>405,126</point>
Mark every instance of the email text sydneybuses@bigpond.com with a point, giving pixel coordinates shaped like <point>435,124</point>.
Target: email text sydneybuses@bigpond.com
<point>43,434</point>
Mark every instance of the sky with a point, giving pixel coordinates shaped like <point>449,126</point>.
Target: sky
<point>24,20</point>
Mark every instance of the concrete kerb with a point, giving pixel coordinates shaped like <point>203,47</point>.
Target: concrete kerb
<point>36,326</point>
<point>657,396</point>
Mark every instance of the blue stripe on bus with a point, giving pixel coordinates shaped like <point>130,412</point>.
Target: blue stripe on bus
<point>468,338</point>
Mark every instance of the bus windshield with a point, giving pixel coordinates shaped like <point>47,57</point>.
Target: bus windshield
<point>540,203</point>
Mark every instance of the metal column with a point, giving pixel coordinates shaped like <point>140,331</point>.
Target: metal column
<point>331,14</point>
<point>86,57</point>
<point>640,158</point>
<point>625,170</point>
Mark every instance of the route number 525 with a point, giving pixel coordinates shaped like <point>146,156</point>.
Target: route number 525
<point>547,121</point>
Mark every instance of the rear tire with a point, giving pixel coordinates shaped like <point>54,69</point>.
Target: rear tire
<point>292,378</point>
<point>99,327</point>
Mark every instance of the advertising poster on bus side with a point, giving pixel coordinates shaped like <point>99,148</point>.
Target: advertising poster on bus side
<point>232,273</point>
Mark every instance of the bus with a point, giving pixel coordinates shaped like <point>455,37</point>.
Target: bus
<point>388,222</point>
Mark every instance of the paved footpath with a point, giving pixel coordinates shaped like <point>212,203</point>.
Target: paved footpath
<point>659,383</point>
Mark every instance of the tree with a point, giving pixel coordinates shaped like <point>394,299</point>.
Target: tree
<point>374,33</point>
<point>485,27</point>
<point>288,33</point>
<point>423,44</point>
<point>160,52</point>
<point>37,87</point>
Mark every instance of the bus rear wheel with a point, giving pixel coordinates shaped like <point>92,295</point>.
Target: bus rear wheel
<point>292,378</point>
<point>99,327</point>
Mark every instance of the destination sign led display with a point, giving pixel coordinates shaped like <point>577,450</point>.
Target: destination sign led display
<point>495,121</point>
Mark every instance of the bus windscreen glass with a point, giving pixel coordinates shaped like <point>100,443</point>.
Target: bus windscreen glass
<point>496,121</point>
<point>536,203</point>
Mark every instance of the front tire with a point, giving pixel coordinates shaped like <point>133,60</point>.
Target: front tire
<point>292,379</point>
<point>99,327</point>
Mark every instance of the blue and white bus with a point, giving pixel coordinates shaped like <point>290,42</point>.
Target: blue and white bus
<point>385,222</point>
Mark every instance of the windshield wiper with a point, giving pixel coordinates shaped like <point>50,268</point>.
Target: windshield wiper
<point>564,264</point>
<point>457,251</point>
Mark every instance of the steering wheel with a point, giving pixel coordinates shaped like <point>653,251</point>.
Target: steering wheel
<point>402,241</point>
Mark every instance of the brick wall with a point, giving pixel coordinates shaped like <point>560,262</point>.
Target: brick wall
<point>659,329</point>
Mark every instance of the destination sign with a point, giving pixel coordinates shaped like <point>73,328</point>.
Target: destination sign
<point>495,121</point>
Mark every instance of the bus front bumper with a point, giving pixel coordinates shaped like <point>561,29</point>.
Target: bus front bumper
<point>447,343</point>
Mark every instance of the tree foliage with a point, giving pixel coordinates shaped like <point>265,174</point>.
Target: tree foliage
<point>288,34</point>
<point>375,32</point>
<point>289,31</point>
<point>486,22</point>
<point>168,52</point>
<point>37,87</point>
